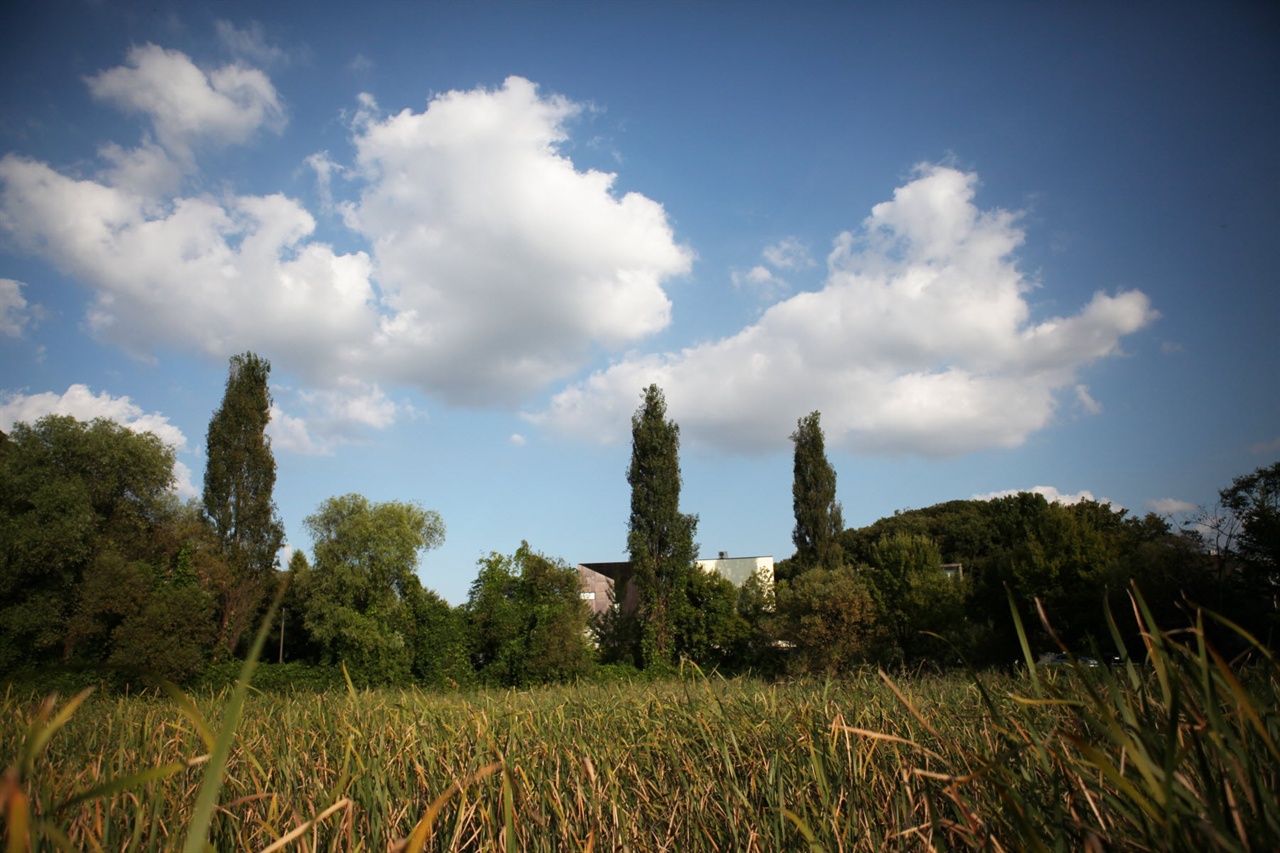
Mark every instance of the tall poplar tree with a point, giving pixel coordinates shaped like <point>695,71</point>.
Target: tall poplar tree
<point>819,522</point>
<point>240,475</point>
<point>660,537</point>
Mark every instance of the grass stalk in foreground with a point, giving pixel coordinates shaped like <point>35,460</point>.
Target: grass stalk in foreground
<point>1176,753</point>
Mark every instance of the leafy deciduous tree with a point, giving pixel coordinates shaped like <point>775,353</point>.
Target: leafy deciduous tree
<point>528,621</point>
<point>913,595</point>
<point>1254,499</point>
<point>76,499</point>
<point>710,627</point>
<point>366,557</point>
<point>828,616</point>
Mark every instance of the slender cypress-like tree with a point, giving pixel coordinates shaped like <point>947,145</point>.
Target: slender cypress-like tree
<point>818,518</point>
<point>240,475</point>
<point>660,537</point>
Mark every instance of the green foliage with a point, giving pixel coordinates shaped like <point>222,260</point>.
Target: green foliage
<point>1254,500</point>
<point>1178,754</point>
<point>827,619</point>
<point>240,476</point>
<point>755,650</point>
<point>294,677</point>
<point>660,538</point>
<point>710,629</point>
<point>616,632</point>
<point>527,620</point>
<point>89,539</point>
<point>962,530</point>
<point>356,596</point>
<point>913,596</point>
<point>813,495</point>
<point>170,635</point>
<point>658,533</point>
<point>1068,557</point>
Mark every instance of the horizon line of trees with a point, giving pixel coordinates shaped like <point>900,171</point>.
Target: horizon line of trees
<point>102,567</point>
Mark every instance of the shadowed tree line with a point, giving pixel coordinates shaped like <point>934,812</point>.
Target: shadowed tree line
<point>103,569</point>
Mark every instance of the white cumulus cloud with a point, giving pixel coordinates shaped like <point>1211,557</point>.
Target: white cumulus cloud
<point>81,403</point>
<point>199,273</point>
<point>762,281</point>
<point>249,43</point>
<point>504,264</point>
<point>331,417</point>
<point>186,105</point>
<point>1086,401</point>
<point>921,341</point>
<point>495,266</point>
<point>1171,506</point>
<point>1050,493</point>
<point>15,311</point>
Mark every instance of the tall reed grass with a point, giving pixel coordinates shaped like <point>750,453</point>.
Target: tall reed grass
<point>1179,752</point>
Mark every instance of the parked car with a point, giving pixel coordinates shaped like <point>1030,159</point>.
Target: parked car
<point>1063,659</point>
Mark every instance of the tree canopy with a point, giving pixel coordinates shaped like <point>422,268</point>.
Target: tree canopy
<point>239,480</point>
<point>528,622</point>
<point>659,536</point>
<point>99,563</point>
<point>358,592</point>
<point>819,522</point>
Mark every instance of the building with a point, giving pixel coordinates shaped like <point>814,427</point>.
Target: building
<point>600,580</point>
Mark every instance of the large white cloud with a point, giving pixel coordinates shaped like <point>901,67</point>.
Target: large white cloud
<point>215,275</point>
<point>188,109</point>
<point>503,262</point>
<point>495,266</point>
<point>921,341</point>
<point>81,403</point>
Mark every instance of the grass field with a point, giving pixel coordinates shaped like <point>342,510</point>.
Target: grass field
<point>1180,753</point>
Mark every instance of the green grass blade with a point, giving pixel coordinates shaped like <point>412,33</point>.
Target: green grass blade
<point>120,784</point>
<point>211,785</point>
<point>39,735</point>
<point>1022,641</point>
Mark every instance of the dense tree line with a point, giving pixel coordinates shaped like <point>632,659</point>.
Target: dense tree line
<point>101,567</point>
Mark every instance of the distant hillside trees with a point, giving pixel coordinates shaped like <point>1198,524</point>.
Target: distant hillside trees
<point>239,479</point>
<point>1070,558</point>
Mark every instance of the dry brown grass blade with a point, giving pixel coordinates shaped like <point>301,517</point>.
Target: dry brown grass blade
<point>418,837</point>
<point>304,828</point>
<point>906,703</point>
<point>17,815</point>
<point>867,733</point>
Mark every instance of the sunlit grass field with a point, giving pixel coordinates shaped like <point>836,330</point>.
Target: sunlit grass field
<point>1178,753</point>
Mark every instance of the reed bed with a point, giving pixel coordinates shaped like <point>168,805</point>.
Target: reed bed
<point>1179,753</point>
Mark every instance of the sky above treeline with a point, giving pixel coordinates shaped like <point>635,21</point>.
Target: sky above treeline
<point>999,246</point>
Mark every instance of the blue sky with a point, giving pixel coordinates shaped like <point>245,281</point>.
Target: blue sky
<point>999,246</point>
